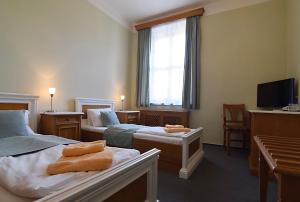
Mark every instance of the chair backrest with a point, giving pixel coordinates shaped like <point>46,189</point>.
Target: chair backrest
<point>234,114</point>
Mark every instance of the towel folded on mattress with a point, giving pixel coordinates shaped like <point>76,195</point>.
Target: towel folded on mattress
<point>88,162</point>
<point>174,126</point>
<point>84,148</point>
<point>177,130</point>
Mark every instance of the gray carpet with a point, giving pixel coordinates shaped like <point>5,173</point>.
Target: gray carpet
<point>218,178</point>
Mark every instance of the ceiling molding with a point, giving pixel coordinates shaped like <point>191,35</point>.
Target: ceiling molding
<point>105,8</point>
<point>227,5</point>
<point>210,9</point>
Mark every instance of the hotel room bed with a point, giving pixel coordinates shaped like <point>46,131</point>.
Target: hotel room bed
<point>179,153</point>
<point>130,171</point>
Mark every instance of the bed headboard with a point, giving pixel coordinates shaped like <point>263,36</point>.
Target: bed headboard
<point>83,104</point>
<point>14,101</point>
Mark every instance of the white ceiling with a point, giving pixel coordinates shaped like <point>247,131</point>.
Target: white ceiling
<point>130,12</point>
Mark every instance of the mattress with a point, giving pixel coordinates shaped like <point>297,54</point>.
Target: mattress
<point>151,134</point>
<point>25,175</point>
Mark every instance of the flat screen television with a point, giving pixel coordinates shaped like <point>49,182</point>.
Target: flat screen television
<point>276,94</point>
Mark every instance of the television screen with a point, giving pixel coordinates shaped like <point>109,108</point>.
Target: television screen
<point>276,94</point>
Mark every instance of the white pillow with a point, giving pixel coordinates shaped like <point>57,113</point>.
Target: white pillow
<point>94,116</point>
<point>26,117</point>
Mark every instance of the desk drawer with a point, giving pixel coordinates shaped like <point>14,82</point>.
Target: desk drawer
<point>67,119</point>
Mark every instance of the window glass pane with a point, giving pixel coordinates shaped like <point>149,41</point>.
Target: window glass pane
<point>167,63</point>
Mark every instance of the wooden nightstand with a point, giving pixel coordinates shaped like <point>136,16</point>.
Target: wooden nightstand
<point>132,117</point>
<point>63,124</point>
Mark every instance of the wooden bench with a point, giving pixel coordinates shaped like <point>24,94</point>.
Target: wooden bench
<point>281,156</point>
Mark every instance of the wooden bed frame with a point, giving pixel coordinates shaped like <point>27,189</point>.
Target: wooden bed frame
<point>137,175</point>
<point>176,158</point>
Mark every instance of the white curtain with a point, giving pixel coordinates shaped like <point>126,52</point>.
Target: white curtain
<point>167,63</point>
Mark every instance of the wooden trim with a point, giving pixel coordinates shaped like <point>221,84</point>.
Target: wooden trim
<point>194,147</point>
<point>13,106</point>
<point>177,16</point>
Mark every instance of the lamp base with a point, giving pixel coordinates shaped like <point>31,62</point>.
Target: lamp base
<point>50,111</point>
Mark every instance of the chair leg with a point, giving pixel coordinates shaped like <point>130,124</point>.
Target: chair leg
<point>228,138</point>
<point>224,139</point>
<point>244,141</point>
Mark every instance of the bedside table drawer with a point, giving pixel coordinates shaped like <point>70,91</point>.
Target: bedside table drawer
<point>132,120</point>
<point>66,119</point>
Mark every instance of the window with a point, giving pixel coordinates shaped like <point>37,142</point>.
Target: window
<point>167,63</point>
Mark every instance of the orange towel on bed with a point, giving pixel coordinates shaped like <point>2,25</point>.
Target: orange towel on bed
<point>174,126</point>
<point>177,130</point>
<point>88,162</point>
<point>84,148</point>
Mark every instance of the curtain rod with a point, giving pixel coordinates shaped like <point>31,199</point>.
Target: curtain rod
<point>177,16</point>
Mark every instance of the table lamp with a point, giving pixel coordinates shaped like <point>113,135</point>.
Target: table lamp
<point>51,92</point>
<point>122,100</point>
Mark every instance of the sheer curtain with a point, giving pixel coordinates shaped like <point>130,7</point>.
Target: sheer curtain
<point>167,63</point>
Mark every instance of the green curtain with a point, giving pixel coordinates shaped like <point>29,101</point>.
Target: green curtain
<point>191,80</point>
<point>143,65</point>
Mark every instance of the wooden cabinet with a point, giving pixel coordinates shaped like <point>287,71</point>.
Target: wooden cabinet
<point>131,117</point>
<point>271,123</point>
<point>153,117</point>
<point>63,124</point>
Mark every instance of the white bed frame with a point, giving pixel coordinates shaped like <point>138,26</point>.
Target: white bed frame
<point>189,163</point>
<point>103,185</point>
<point>31,100</point>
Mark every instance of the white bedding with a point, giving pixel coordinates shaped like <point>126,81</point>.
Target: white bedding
<point>26,175</point>
<point>146,133</point>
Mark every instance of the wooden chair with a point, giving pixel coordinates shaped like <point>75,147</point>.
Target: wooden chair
<point>236,120</point>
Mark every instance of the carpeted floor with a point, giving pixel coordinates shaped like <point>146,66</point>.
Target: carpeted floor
<point>218,178</point>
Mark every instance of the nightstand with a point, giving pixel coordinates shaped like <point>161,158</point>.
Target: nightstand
<point>132,117</point>
<point>63,124</point>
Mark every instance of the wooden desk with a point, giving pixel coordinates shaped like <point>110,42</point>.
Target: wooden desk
<point>280,155</point>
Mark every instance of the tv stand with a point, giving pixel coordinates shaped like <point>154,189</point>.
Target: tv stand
<point>271,123</point>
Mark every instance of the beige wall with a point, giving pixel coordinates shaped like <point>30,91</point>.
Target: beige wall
<point>74,47</point>
<point>67,44</point>
<point>293,39</point>
<point>240,48</point>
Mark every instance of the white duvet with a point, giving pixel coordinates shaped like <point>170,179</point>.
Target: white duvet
<point>26,175</point>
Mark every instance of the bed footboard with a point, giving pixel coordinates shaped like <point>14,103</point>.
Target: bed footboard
<point>103,186</point>
<point>192,152</point>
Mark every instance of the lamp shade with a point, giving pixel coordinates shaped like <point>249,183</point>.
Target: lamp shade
<point>122,97</point>
<point>51,91</point>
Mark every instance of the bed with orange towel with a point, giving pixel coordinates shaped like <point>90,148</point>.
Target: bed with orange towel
<point>23,169</point>
<point>181,148</point>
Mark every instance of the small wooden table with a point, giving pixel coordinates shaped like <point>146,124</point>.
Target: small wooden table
<point>132,117</point>
<point>63,124</point>
<point>281,156</point>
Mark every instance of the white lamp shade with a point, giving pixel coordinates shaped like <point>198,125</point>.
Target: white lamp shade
<point>122,97</point>
<point>51,91</point>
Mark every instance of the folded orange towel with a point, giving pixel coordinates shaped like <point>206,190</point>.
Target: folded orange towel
<point>177,130</point>
<point>84,148</point>
<point>89,162</point>
<point>174,126</point>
